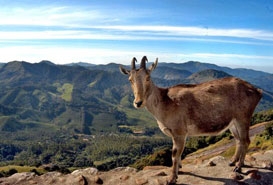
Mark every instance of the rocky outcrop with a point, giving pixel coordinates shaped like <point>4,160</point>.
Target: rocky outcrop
<point>214,171</point>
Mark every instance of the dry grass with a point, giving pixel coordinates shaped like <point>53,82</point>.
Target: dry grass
<point>21,169</point>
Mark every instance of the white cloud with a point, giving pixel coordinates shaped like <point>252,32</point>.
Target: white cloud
<point>190,31</point>
<point>49,16</point>
<point>145,33</point>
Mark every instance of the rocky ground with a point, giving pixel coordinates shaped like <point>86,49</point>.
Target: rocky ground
<point>213,171</point>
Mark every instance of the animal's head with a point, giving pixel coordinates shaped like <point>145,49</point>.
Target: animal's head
<point>140,80</point>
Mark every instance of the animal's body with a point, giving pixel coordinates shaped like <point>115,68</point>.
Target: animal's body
<point>192,110</point>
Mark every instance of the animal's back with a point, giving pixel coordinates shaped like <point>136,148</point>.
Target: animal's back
<point>230,87</point>
<point>215,103</point>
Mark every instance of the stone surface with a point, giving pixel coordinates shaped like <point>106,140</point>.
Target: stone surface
<point>258,171</point>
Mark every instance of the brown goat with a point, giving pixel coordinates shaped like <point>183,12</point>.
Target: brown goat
<point>191,110</point>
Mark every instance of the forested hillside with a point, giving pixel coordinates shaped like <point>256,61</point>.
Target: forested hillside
<point>82,115</point>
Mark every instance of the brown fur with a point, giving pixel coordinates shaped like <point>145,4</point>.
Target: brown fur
<point>191,110</point>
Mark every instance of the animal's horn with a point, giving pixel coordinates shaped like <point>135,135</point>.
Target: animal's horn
<point>133,63</point>
<point>143,62</point>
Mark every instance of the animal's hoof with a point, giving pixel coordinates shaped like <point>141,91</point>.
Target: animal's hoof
<point>172,180</point>
<point>231,164</point>
<point>237,169</point>
<point>171,183</point>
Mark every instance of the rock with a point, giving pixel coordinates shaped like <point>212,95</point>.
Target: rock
<point>161,173</point>
<point>21,177</point>
<point>198,161</point>
<point>219,174</point>
<point>98,180</point>
<point>124,177</point>
<point>214,160</point>
<point>154,168</point>
<point>52,175</point>
<point>217,159</point>
<point>250,158</point>
<point>125,169</point>
<point>270,152</point>
<point>88,171</point>
<point>236,176</point>
<point>211,163</point>
<point>267,164</point>
<point>82,180</point>
<point>141,181</point>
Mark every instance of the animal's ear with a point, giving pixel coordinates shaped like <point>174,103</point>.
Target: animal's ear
<point>124,71</point>
<point>153,66</point>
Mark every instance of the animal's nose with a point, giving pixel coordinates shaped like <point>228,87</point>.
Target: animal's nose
<point>139,103</point>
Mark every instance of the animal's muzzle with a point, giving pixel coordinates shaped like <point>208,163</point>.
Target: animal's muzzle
<point>139,103</point>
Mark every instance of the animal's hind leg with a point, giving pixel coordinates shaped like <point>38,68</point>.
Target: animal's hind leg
<point>244,143</point>
<point>236,155</point>
<point>240,130</point>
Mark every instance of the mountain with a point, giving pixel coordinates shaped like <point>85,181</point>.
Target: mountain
<point>88,99</point>
<point>258,78</point>
<point>193,66</point>
<point>170,73</point>
<point>206,75</point>
<point>54,93</point>
<point>83,64</point>
<point>1,64</point>
<point>173,73</point>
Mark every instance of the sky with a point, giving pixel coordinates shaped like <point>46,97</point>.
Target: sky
<point>232,33</point>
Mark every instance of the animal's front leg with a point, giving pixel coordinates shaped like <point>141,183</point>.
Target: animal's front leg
<point>178,147</point>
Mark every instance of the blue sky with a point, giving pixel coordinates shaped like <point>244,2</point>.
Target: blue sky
<point>233,33</point>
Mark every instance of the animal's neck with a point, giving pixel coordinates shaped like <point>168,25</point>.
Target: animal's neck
<point>156,99</point>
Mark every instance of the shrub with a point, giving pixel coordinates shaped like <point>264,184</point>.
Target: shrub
<point>11,172</point>
<point>160,157</point>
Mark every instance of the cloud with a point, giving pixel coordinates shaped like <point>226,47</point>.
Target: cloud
<point>144,35</point>
<point>64,16</point>
<point>229,56</point>
<point>135,33</point>
<point>190,31</point>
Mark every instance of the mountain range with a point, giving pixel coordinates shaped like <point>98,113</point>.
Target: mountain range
<point>86,98</point>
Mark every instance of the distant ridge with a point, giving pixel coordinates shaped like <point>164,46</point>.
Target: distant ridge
<point>46,62</point>
<point>207,75</point>
<point>83,64</point>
